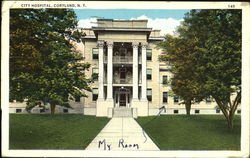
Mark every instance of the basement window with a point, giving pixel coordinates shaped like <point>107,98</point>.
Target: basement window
<point>176,111</point>
<point>42,110</point>
<point>197,111</point>
<point>65,110</point>
<point>18,110</point>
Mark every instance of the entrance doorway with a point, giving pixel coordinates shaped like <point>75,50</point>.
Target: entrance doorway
<point>122,100</point>
<point>122,97</point>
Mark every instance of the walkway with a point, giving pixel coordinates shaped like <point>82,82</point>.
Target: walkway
<point>122,134</point>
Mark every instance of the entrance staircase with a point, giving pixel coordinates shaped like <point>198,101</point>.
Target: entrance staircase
<point>122,112</point>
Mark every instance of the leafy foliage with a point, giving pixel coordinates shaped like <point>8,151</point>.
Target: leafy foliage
<point>181,55</point>
<point>207,53</point>
<point>44,66</point>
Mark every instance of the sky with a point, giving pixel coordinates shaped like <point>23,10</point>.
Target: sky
<point>165,20</point>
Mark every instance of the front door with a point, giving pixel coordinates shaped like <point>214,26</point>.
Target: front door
<point>123,100</point>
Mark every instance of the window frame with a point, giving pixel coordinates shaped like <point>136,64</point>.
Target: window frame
<point>18,110</point>
<point>165,82</point>
<point>94,95</point>
<point>147,52</point>
<point>165,99</point>
<point>174,98</point>
<point>95,56</point>
<point>217,111</point>
<point>77,99</point>
<point>149,77</point>
<point>149,97</point>
<point>208,100</point>
<point>96,79</point>
<point>196,111</point>
<point>65,110</point>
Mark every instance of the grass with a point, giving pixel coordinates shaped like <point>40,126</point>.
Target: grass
<point>195,132</point>
<point>45,131</point>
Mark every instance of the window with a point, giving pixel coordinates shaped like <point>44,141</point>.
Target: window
<point>165,97</point>
<point>18,110</point>
<point>149,54</point>
<point>176,111</point>
<point>77,99</point>
<point>95,53</point>
<point>208,100</point>
<point>149,94</point>
<point>238,111</point>
<point>176,99</point>
<point>94,94</point>
<point>149,74</point>
<point>42,110</point>
<point>217,111</point>
<point>165,79</point>
<point>65,110</point>
<point>95,72</point>
<point>197,111</point>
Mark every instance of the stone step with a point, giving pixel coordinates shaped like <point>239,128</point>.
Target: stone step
<point>122,112</point>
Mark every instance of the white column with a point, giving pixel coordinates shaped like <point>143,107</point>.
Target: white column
<point>110,71</point>
<point>135,70</point>
<point>144,71</point>
<point>100,45</point>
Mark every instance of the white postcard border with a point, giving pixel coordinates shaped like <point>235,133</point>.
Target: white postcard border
<point>245,128</point>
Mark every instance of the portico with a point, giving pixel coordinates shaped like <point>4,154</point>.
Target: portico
<point>122,70</point>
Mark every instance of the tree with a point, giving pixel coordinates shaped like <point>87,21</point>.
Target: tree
<point>180,54</point>
<point>220,56</point>
<point>44,66</point>
<point>216,36</point>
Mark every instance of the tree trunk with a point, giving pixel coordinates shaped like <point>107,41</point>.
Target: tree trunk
<point>188,106</point>
<point>231,119</point>
<point>230,112</point>
<point>52,108</point>
<point>230,123</point>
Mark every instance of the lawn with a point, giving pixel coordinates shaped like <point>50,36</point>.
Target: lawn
<point>195,132</point>
<point>45,131</point>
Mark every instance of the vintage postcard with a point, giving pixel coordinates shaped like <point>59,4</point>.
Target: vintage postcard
<point>125,79</point>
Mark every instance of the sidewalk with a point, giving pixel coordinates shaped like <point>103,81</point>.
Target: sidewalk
<point>122,134</point>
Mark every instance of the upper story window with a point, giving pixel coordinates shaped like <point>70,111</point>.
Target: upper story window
<point>94,94</point>
<point>176,99</point>
<point>149,94</point>
<point>77,99</point>
<point>95,72</point>
<point>149,74</point>
<point>149,54</point>
<point>165,97</point>
<point>165,79</point>
<point>208,99</point>
<point>95,53</point>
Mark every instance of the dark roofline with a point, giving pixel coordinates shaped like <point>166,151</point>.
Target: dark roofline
<point>120,20</point>
<point>121,29</point>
